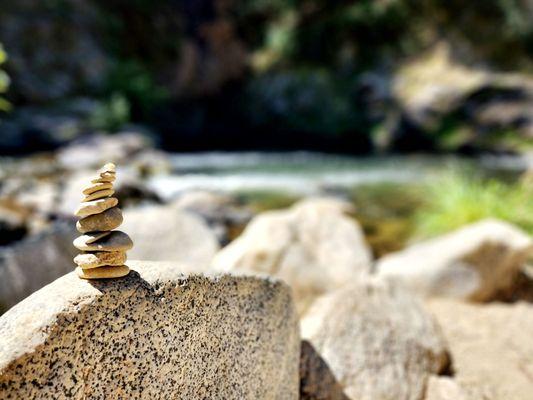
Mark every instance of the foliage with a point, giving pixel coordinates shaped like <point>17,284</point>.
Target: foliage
<point>310,101</point>
<point>386,213</point>
<point>460,197</point>
<point>135,84</point>
<point>111,115</point>
<point>264,200</point>
<point>4,82</point>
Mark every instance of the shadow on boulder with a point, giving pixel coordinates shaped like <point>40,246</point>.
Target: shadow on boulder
<point>317,381</point>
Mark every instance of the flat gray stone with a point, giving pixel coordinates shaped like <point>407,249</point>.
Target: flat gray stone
<point>109,241</point>
<point>155,334</point>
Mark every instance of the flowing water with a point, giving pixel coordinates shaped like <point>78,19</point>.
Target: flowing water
<point>305,173</point>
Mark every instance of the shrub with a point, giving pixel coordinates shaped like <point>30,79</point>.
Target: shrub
<point>460,197</point>
<point>4,82</point>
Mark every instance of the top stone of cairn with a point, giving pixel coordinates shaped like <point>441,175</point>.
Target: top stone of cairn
<point>103,249</point>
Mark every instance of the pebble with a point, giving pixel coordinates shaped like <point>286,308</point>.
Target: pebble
<point>114,241</point>
<point>109,179</point>
<point>90,238</point>
<point>108,168</point>
<point>106,272</point>
<point>100,258</point>
<point>99,195</point>
<point>108,220</point>
<point>95,206</point>
<point>96,187</point>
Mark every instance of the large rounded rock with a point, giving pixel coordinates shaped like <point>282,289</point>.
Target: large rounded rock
<point>163,233</point>
<point>491,347</point>
<point>476,262</point>
<point>34,262</point>
<point>155,334</point>
<point>445,388</point>
<point>220,211</point>
<point>313,246</point>
<point>377,340</point>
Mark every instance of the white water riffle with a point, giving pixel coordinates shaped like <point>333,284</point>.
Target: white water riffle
<point>302,173</point>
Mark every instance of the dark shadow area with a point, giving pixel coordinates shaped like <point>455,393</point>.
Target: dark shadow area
<point>317,381</point>
<point>521,290</point>
<point>132,281</point>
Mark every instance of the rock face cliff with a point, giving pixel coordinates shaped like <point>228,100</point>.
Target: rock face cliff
<point>156,333</point>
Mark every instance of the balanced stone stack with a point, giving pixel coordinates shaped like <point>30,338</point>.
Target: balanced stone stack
<point>104,250</point>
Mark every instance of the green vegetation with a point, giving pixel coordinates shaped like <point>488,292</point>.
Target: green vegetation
<point>393,214</point>
<point>460,197</point>
<point>111,115</point>
<point>386,213</point>
<point>4,82</point>
<point>263,200</point>
<point>134,83</point>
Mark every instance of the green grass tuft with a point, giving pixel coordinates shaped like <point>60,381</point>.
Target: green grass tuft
<point>460,197</point>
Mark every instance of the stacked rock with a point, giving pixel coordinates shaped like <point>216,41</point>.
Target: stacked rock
<point>104,250</point>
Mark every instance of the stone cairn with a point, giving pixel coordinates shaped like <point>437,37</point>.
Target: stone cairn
<point>104,250</point>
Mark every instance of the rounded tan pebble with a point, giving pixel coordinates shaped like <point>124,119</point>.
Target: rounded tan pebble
<point>99,195</point>
<point>95,206</point>
<point>109,179</point>
<point>114,241</point>
<point>96,187</point>
<point>106,272</point>
<point>109,167</point>
<point>108,220</point>
<point>100,258</point>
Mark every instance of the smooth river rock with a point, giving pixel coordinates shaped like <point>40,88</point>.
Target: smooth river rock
<point>155,334</point>
<point>110,241</point>
<point>377,340</point>
<point>28,265</point>
<point>105,272</point>
<point>100,258</point>
<point>491,346</point>
<point>313,246</point>
<point>95,207</point>
<point>107,221</point>
<point>478,262</point>
<point>164,233</point>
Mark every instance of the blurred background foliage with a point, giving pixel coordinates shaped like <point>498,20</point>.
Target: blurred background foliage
<point>283,74</point>
<point>4,81</point>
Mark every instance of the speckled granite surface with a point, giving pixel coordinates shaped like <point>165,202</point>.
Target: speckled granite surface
<point>155,334</point>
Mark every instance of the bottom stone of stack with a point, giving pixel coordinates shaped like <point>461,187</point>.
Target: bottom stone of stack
<point>103,272</point>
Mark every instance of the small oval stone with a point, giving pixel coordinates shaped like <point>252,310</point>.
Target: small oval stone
<point>100,258</point>
<point>95,206</point>
<point>96,187</point>
<point>103,272</point>
<point>99,195</point>
<point>110,179</point>
<point>108,168</point>
<point>115,241</point>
